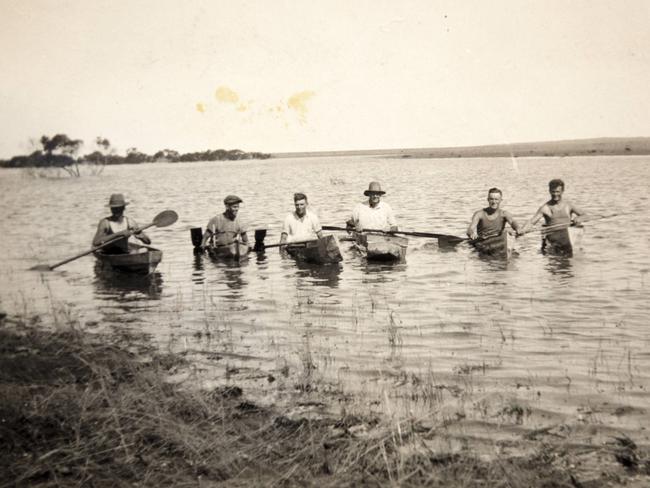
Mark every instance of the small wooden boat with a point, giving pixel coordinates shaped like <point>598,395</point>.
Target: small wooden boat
<point>382,247</point>
<point>236,251</point>
<point>564,241</point>
<point>140,259</point>
<point>318,251</point>
<point>493,246</point>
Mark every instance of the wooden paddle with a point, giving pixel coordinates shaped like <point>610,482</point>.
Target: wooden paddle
<point>549,228</point>
<point>281,244</point>
<point>259,246</point>
<point>449,238</point>
<point>197,239</point>
<point>565,225</point>
<point>163,219</point>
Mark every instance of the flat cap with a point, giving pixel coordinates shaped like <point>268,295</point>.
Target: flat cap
<point>232,199</point>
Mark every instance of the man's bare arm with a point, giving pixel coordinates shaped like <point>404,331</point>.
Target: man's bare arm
<point>533,220</point>
<point>472,231</point>
<point>513,223</point>
<point>578,212</point>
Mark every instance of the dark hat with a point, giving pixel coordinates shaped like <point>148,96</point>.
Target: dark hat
<point>117,200</point>
<point>232,199</point>
<point>374,187</point>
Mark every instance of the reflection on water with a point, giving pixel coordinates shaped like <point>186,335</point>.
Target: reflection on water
<point>126,287</point>
<point>382,272</point>
<point>234,279</point>
<point>197,275</point>
<point>228,272</point>
<point>318,274</point>
<point>560,265</point>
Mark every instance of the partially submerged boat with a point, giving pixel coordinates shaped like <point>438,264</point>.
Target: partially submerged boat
<point>235,251</point>
<point>140,259</point>
<point>381,247</point>
<point>493,246</point>
<point>319,251</point>
<point>564,241</point>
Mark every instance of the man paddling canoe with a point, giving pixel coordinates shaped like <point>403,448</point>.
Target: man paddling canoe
<point>116,225</point>
<point>555,211</point>
<point>302,224</point>
<point>373,214</point>
<point>226,228</point>
<point>491,220</point>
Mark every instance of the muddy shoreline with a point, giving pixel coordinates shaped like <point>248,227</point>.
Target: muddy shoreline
<point>80,409</point>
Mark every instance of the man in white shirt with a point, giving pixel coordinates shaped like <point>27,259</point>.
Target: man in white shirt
<point>373,214</point>
<point>302,224</point>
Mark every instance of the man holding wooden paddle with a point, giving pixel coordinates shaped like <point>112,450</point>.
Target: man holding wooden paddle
<point>302,224</point>
<point>556,211</point>
<point>117,224</point>
<point>373,214</point>
<point>491,220</point>
<point>227,227</point>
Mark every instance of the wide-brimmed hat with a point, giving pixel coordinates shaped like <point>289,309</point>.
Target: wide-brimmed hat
<point>374,187</point>
<point>232,199</point>
<point>117,200</point>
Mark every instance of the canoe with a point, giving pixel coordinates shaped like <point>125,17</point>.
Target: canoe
<point>493,246</point>
<point>140,259</point>
<point>382,247</point>
<point>235,251</point>
<point>319,251</point>
<point>564,241</point>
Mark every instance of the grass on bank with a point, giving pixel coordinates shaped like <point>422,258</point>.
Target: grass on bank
<point>80,410</point>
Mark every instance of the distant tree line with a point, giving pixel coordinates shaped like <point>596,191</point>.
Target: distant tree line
<point>60,151</point>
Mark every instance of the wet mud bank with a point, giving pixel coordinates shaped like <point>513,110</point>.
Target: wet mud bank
<point>81,409</point>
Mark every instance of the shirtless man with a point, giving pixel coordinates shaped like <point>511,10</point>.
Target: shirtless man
<point>556,210</point>
<point>373,214</point>
<point>116,225</point>
<point>491,220</point>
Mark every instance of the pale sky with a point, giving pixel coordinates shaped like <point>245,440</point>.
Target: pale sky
<point>277,76</point>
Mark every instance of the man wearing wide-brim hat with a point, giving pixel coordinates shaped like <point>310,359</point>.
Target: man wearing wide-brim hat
<point>373,214</point>
<point>116,225</point>
<point>226,227</point>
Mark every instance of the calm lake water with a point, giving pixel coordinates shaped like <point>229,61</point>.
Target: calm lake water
<point>564,336</point>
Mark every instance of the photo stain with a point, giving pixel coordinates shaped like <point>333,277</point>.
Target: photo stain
<point>298,102</point>
<point>226,95</point>
<point>200,107</point>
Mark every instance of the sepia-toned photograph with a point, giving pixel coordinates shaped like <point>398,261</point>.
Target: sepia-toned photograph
<point>331,243</point>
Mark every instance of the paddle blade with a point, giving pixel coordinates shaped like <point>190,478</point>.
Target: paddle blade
<point>197,236</point>
<point>260,234</point>
<point>165,218</point>
<point>450,241</point>
<point>41,267</point>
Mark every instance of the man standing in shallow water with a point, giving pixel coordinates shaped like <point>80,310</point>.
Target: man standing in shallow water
<point>117,224</point>
<point>556,210</point>
<point>373,214</point>
<point>491,220</point>
<point>302,224</point>
<point>225,228</point>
